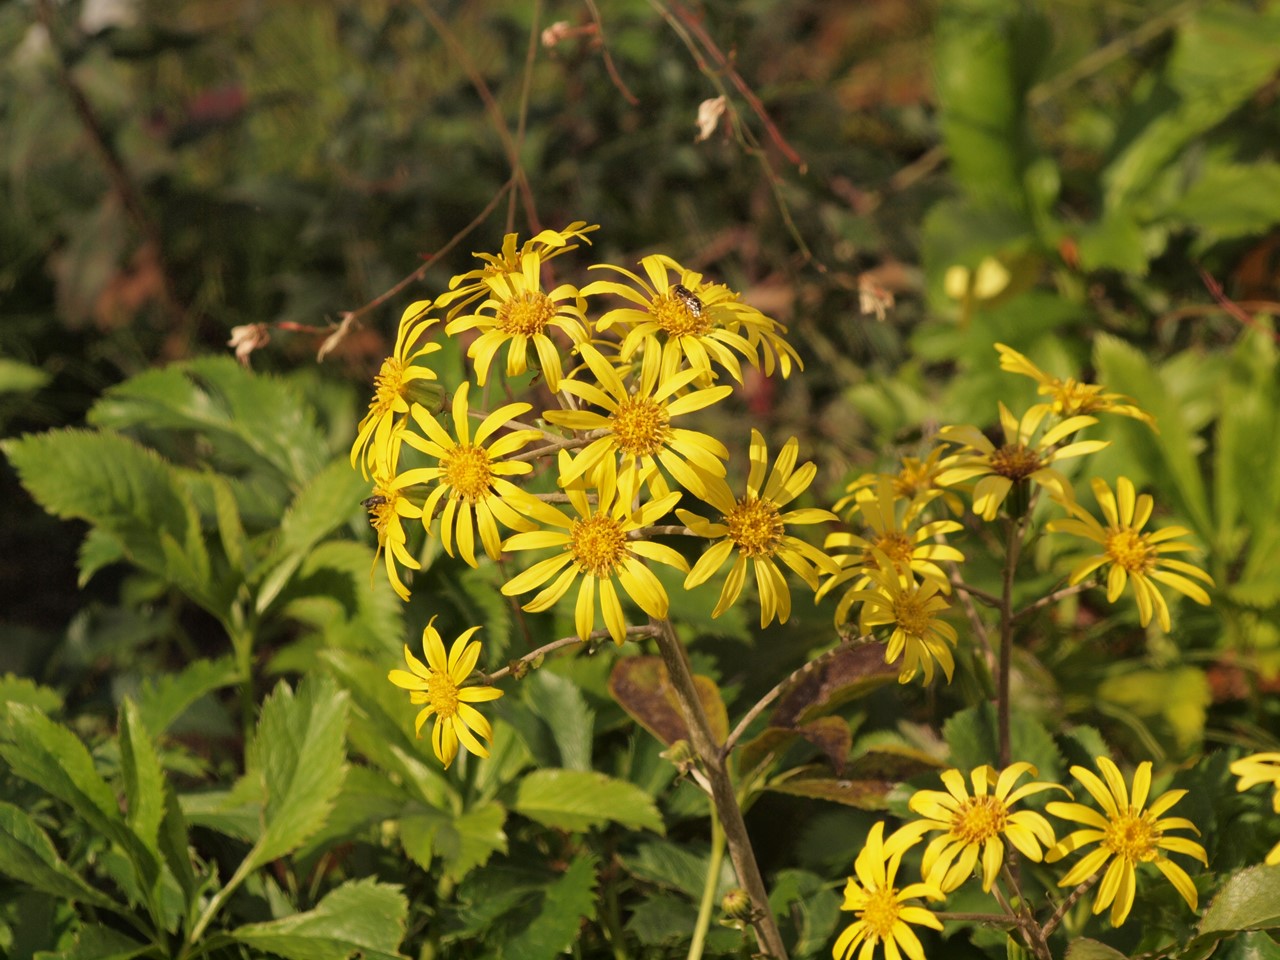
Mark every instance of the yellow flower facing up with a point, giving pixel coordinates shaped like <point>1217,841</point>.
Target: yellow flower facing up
<point>1132,556</point>
<point>1126,835</point>
<point>637,425</point>
<point>919,638</point>
<point>520,314</point>
<point>471,478</point>
<point>885,914</point>
<point>755,526</point>
<point>1071,398</point>
<point>596,546</point>
<point>1020,458</point>
<point>1256,769</point>
<point>975,825</point>
<point>467,288</point>
<point>394,388</point>
<point>891,520</point>
<point>691,321</point>
<point>439,684</point>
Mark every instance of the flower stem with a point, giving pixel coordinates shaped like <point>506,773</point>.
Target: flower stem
<point>708,889</point>
<point>722,793</point>
<point>1013,547</point>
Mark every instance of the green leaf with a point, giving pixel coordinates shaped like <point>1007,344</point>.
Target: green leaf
<point>1230,200</point>
<point>568,901</point>
<point>361,915</point>
<point>297,762</point>
<point>174,842</point>
<point>29,856</point>
<point>98,942</point>
<point>1248,900</point>
<point>144,780</point>
<point>164,699</point>
<point>235,543</point>
<point>974,740</point>
<point>579,800</point>
<point>561,706</point>
<point>17,377</point>
<point>15,689</point>
<point>1116,242</point>
<point>676,866</point>
<point>1082,948</point>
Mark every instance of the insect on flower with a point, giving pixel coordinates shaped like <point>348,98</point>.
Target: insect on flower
<point>377,500</point>
<point>689,299</point>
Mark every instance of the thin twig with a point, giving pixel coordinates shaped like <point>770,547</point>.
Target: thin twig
<point>1051,598</point>
<point>1013,546</point>
<point>990,599</point>
<point>1052,923</point>
<point>1233,308</point>
<point>608,58</point>
<point>635,633</point>
<point>566,443</point>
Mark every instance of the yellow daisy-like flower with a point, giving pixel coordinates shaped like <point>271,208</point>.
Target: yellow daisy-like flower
<point>398,382</point>
<point>1071,398</point>
<point>1126,835</point>
<point>884,913</point>
<point>439,684</point>
<point>596,545</point>
<point>975,825</point>
<point>756,527</point>
<point>519,313</point>
<point>916,479</point>
<point>471,478</point>
<point>466,288</point>
<point>1018,459</point>
<point>919,638</point>
<point>1132,554</point>
<point>388,507</point>
<point>1256,769</point>
<point>637,426</point>
<point>892,535</point>
<point>691,321</point>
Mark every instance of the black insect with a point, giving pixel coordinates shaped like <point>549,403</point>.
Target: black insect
<point>371,503</point>
<point>689,299</point>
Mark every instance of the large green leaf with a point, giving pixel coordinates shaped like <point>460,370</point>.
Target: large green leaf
<point>463,842</point>
<point>361,915</point>
<point>1082,948</point>
<point>578,800</point>
<point>677,866</point>
<point>1248,900</point>
<point>28,856</point>
<point>98,942</point>
<point>1230,200</point>
<point>564,710</point>
<point>144,780</point>
<point>568,901</point>
<point>297,762</point>
<point>164,699</point>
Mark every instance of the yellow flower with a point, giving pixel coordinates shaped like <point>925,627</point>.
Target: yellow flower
<point>918,637</point>
<point>916,479</point>
<point>466,288</point>
<point>692,321</point>
<point>596,546</point>
<point>1016,460</point>
<point>394,387</point>
<point>439,684</point>
<point>1126,835</point>
<point>519,313</point>
<point>884,913</point>
<point>1131,553</point>
<point>1070,397</point>
<point>756,527</point>
<point>387,507</point>
<point>1256,769</point>
<point>638,427</point>
<point>972,825</point>
<point>892,536</point>
<point>471,478</point>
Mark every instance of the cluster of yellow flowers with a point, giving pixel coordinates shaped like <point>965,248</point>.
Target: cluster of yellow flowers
<point>972,829</point>
<point>623,379</point>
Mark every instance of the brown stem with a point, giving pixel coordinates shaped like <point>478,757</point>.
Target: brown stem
<point>1052,923</point>
<point>722,791</point>
<point>990,599</point>
<point>596,635</point>
<point>1051,598</point>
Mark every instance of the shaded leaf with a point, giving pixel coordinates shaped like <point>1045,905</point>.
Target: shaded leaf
<point>569,900</point>
<point>164,699</point>
<point>361,915</point>
<point>98,942</point>
<point>817,784</point>
<point>562,707</point>
<point>846,675</point>
<point>29,856</point>
<point>1082,948</point>
<point>643,688</point>
<point>676,866</point>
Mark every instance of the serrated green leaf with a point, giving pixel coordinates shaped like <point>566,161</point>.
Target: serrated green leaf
<point>15,689</point>
<point>98,942</point>
<point>174,842</point>
<point>1082,948</point>
<point>164,699</point>
<point>1116,242</point>
<point>361,915</point>
<point>1230,200</point>
<point>1248,900</point>
<point>326,503</point>
<point>578,800</point>
<point>569,900</point>
<point>973,738</point>
<point>17,377</point>
<point>809,900</point>
<point>98,550</point>
<point>676,866</point>
<point>297,760</point>
<point>562,707</point>
<point>29,856</point>
<point>235,543</point>
<point>144,780</point>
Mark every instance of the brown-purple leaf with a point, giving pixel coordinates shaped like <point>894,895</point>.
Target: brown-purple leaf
<point>848,674</point>
<point>643,688</point>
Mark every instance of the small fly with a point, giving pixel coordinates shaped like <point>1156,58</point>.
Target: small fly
<point>372,503</point>
<point>689,299</point>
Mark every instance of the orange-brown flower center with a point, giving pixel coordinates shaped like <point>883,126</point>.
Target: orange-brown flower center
<point>911,613</point>
<point>896,546</point>
<point>526,314</point>
<point>598,544</point>
<point>674,317</point>
<point>1015,461</point>
<point>755,526</point>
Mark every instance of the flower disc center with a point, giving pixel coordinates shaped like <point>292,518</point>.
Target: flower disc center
<point>979,819</point>
<point>466,470</point>
<point>442,694</point>
<point>640,426</point>
<point>673,317</point>
<point>755,526</point>
<point>1129,549</point>
<point>1015,461</point>
<point>599,544</point>
<point>526,314</point>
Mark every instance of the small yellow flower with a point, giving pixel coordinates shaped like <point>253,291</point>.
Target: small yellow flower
<point>691,321</point>
<point>892,535</point>
<point>439,684</point>
<point>637,426</point>
<point>756,527</point>
<point>972,825</point>
<point>472,478</point>
<point>466,288</point>
<point>394,387</point>
<point>596,546</point>
<point>884,913</point>
<point>1256,769</point>
<point>916,479</point>
<point>1132,554</point>
<point>1126,835</point>
<point>520,314</point>
<point>1071,398</point>
<point>919,637</point>
<point>1016,460</point>
<point>387,507</point>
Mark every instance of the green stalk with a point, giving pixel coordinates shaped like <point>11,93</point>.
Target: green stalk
<point>708,889</point>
